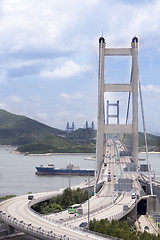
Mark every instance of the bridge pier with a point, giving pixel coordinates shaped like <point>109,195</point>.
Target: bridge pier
<point>131,216</point>
<point>152,204</point>
<point>11,229</point>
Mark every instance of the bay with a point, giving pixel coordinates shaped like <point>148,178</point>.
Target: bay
<point>17,172</point>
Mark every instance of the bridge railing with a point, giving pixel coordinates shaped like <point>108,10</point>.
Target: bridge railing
<point>28,228</point>
<point>97,210</point>
<point>43,234</point>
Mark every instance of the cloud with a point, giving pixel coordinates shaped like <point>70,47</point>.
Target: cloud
<point>59,40</point>
<point>74,96</point>
<point>151,89</point>
<point>3,105</point>
<point>69,69</point>
<point>35,98</point>
<point>3,75</point>
<point>62,114</point>
<point>15,99</point>
<point>42,116</point>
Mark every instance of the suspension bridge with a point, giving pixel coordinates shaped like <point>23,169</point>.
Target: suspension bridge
<point>118,193</point>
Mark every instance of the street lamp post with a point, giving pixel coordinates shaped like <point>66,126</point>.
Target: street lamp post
<point>88,197</point>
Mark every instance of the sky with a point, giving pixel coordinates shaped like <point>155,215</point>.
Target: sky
<point>49,57</point>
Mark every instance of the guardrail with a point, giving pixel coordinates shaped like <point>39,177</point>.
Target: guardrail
<point>97,210</point>
<point>63,223</point>
<point>28,228</point>
<point>46,235</point>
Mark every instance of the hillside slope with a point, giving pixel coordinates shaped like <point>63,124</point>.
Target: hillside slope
<point>152,140</point>
<point>56,144</point>
<point>20,130</point>
<point>35,137</point>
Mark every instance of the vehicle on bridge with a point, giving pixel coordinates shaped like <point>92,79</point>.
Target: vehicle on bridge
<point>83,224</point>
<point>133,195</point>
<point>30,197</point>
<point>109,178</point>
<point>74,208</point>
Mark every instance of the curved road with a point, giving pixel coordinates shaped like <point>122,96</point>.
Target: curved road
<point>16,212</point>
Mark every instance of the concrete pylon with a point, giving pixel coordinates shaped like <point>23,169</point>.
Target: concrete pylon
<point>100,117</point>
<point>132,87</point>
<point>135,100</point>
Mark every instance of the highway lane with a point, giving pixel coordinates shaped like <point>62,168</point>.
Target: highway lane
<point>113,211</point>
<point>105,197</point>
<point>18,207</point>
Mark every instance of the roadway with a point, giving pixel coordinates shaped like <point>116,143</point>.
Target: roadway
<point>36,226</point>
<point>106,204</point>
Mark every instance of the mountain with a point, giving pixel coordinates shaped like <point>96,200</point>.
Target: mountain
<point>56,144</point>
<point>20,130</point>
<point>35,137</point>
<point>152,141</point>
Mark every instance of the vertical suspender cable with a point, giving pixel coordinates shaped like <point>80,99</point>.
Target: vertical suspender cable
<point>145,137</point>
<point>129,97</point>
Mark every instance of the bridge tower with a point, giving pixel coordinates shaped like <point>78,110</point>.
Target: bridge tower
<point>70,129</point>
<point>132,87</point>
<point>111,115</point>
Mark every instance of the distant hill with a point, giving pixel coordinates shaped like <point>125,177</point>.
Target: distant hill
<point>56,144</point>
<point>20,130</point>
<point>35,137</point>
<point>152,141</point>
<point>83,133</point>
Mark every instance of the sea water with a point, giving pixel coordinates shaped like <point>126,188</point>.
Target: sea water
<point>17,172</point>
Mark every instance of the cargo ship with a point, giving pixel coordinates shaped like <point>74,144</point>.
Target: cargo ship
<point>69,170</point>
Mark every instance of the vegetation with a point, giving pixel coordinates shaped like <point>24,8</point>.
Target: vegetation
<point>120,229</point>
<point>61,202</point>
<point>7,197</point>
<point>82,133</point>
<point>152,140</point>
<point>55,144</point>
<point>35,137</point>
<point>20,130</point>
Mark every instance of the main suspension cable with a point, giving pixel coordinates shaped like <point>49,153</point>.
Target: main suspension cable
<point>145,137</point>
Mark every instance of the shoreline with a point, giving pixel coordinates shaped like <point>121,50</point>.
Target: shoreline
<point>49,154</point>
<point>150,152</point>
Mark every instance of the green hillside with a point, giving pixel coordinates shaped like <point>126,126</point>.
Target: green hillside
<point>152,140</point>
<point>20,130</point>
<point>56,144</point>
<point>82,133</point>
<point>35,137</point>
